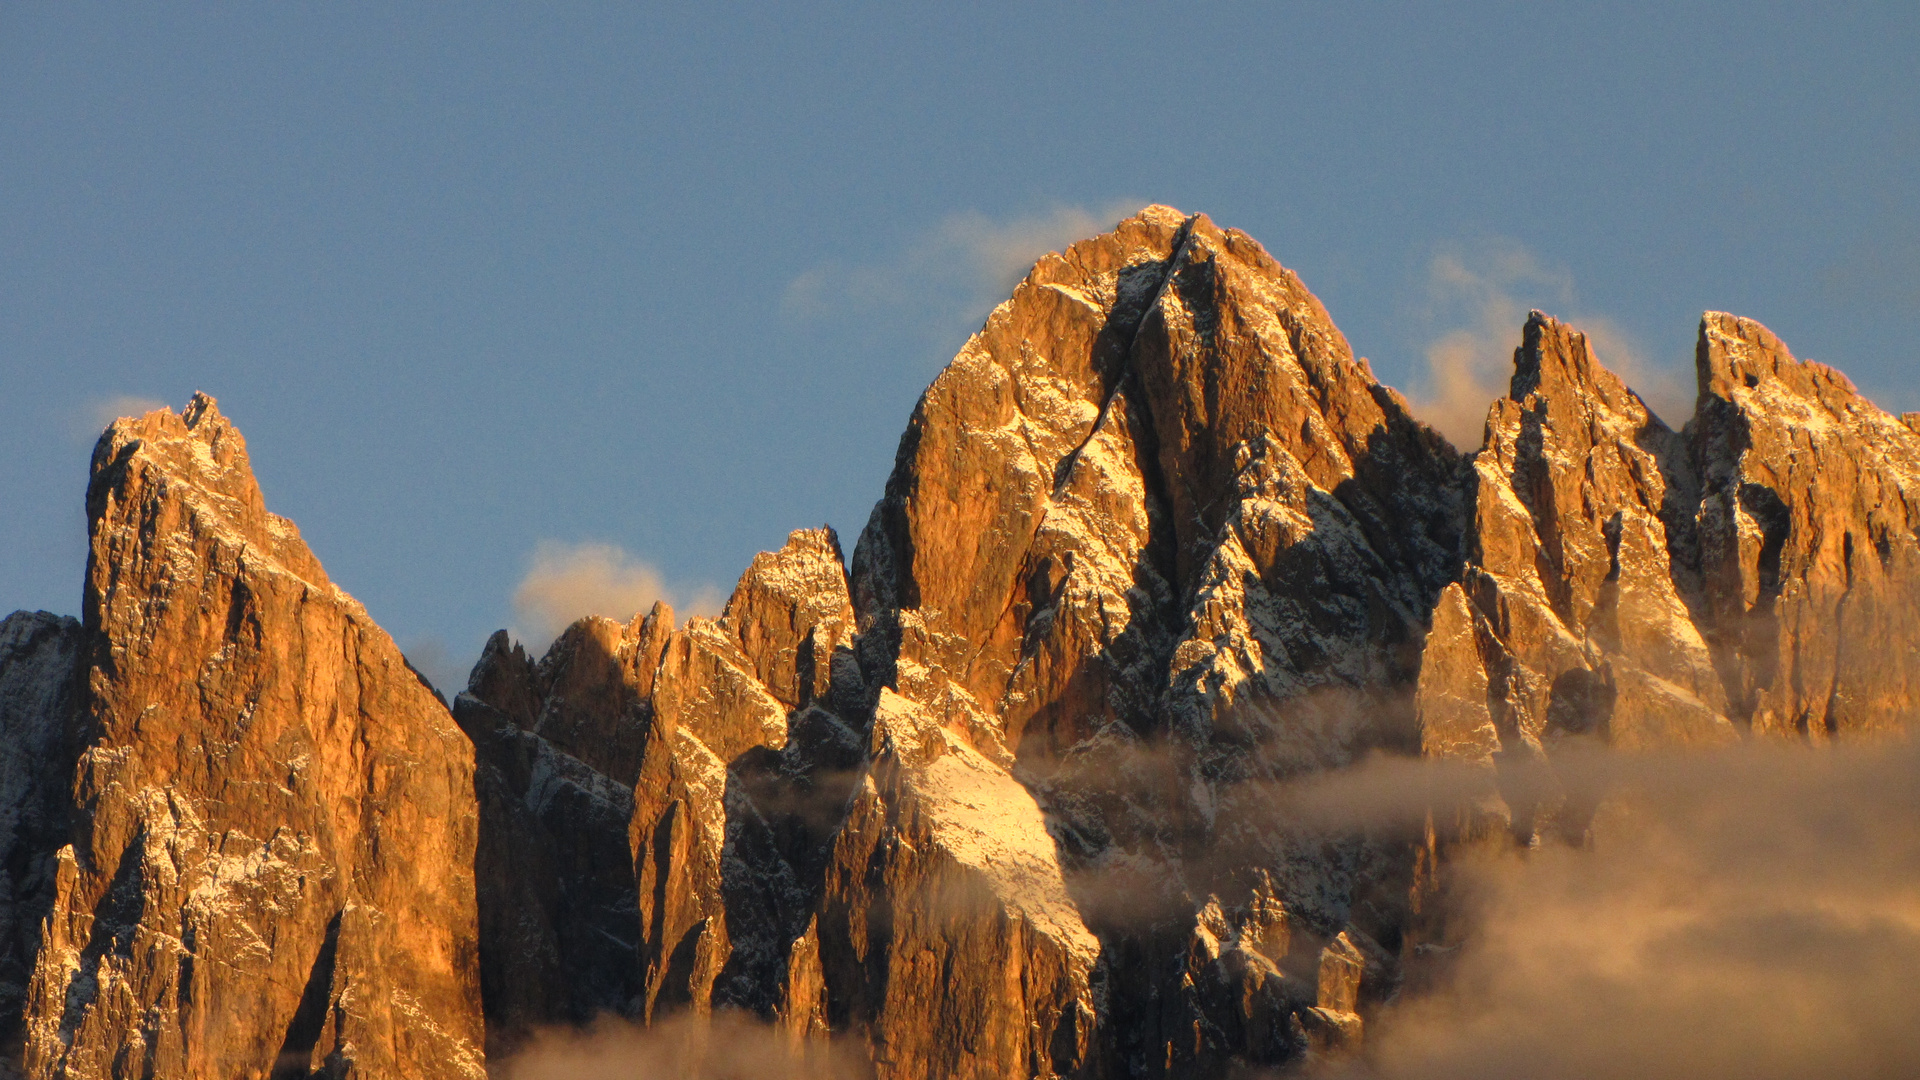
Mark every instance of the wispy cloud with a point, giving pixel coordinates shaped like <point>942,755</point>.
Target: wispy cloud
<point>954,272</point>
<point>1752,913</point>
<point>566,581</point>
<point>91,418</point>
<point>1478,300</point>
<point>430,657</point>
<point>727,1045</point>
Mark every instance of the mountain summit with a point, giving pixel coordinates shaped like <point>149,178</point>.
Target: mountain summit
<point>1001,795</point>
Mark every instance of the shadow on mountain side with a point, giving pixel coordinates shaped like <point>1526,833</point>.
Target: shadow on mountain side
<point>559,920</point>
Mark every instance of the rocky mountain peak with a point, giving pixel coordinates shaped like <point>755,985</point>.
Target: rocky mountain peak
<point>272,863</point>
<point>1124,435</point>
<point>1555,366</point>
<point>197,463</point>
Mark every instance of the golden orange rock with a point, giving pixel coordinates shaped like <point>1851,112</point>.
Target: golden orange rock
<point>272,870</point>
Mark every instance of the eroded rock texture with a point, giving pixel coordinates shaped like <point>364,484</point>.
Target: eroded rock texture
<point>272,867</point>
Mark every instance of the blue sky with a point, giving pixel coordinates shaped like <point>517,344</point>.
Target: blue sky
<point>486,284</point>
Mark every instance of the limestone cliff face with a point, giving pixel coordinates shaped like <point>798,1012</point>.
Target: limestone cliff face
<point>272,865</point>
<point>1752,573</point>
<point>1575,614</point>
<point>1810,500</point>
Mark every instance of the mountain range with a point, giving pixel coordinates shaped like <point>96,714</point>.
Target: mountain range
<point>1005,793</point>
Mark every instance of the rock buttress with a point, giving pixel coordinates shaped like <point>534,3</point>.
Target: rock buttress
<point>947,935</point>
<point>272,870</point>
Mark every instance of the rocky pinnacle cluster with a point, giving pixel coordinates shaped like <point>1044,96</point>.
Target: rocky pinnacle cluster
<point>994,797</point>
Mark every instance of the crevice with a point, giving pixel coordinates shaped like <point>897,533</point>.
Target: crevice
<point>1832,722</point>
<point>1183,242</point>
<point>295,1059</point>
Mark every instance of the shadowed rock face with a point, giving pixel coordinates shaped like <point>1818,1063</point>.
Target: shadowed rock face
<point>558,923</point>
<point>272,864</point>
<point>39,737</point>
<point>1005,798</point>
<point>650,836</point>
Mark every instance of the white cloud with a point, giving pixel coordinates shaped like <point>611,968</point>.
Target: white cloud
<point>92,418</point>
<point>566,581</point>
<point>954,272</point>
<point>1479,300</point>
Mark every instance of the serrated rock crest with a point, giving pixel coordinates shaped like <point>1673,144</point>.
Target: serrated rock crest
<point>1005,796</point>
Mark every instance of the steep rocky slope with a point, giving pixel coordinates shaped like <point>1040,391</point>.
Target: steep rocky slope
<point>1007,793</point>
<point>271,868</point>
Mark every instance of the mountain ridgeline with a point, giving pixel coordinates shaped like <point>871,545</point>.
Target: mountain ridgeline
<point>1001,795</point>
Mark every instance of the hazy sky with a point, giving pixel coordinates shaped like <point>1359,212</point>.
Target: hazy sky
<point>484,285</point>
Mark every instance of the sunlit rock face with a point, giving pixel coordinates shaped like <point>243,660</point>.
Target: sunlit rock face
<point>1809,512</point>
<point>1007,793</point>
<point>1153,541</point>
<point>1577,612</point>
<point>271,864</point>
<point>1641,587</point>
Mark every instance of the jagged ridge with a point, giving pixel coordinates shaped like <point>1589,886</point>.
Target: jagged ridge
<point>997,799</point>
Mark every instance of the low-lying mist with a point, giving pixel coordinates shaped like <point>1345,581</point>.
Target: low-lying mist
<point>725,1046</point>
<point>1749,913</point>
<point>1753,913</point>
